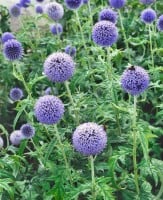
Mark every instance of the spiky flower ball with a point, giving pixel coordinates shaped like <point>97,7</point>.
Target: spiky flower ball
<point>7,36</point>
<point>104,33</point>
<point>117,3</point>
<point>70,50</point>
<point>39,9</point>
<point>73,4</point>
<point>160,23</point>
<point>59,67</point>
<point>148,15</point>
<point>25,3</point>
<point>1,142</point>
<point>147,1</point>
<point>16,137</point>
<point>56,29</point>
<point>89,138</point>
<point>108,15</point>
<point>16,94</point>
<point>135,80</point>
<point>13,50</point>
<point>15,11</point>
<point>27,131</point>
<point>54,10</point>
<point>49,109</point>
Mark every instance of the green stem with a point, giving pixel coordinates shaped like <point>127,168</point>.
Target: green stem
<point>135,146</point>
<point>124,35</point>
<point>151,48</point>
<point>80,27</point>
<point>93,178</point>
<point>63,152</point>
<point>72,101</point>
<point>159,195</point>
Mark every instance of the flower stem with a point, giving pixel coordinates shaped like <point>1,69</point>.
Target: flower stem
<point>93,178</point>
<point>72,101</point>
<point>159,195</point>
<point>124,35</point>
<point>135,146</point>
<point>63,152</point>
<point>151,48</point>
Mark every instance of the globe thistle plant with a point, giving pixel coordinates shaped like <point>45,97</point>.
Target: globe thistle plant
<point>16,94</point>
<point>108,15</point>
<point>59,67</point>
<point>70,50</point>
<point>49,109</point>
<point>89,139</point>
<point>25,3</point>
<point>39,9</point>
<point>147,1</point>
<point>73,4</point>
<point>7,36</point>
<point>13,50</point>
<point>1,142</point>
<point>104,33</point>
<point>15,11</point>
<point>135,80</point>
<point>54,10</point>
<point>16,137</point>
<point>56,29</point>
<point>160,23</point>
<point>148,16</point>
<point>27,131</point>
<point>117,3</point>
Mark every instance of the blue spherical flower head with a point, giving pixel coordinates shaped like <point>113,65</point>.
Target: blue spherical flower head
<point>7,36</point>
<point>59,67</point>
<point>89,139</point>
<point>117,3</point>
<point>54,10</point>
<point>49,109</point>
<point>147,1</point>
<point>25,3</point>
<point>85,1</point>
<point>56,29</point>
<point>16,137</point>
<point>73,4</point>
<point>13,50</point>
<point>148,15</point>
<point>27,131</point>
<point>135,80</point>
<point>1,142</point>
<point>15,11</point>
<point>160,23</point>
<point>39,9</point>
<point>104,33</point>
<point>16,94</point>
<point>70,50</point>
<point>108,15</point>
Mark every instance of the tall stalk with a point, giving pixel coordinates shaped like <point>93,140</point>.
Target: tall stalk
<point>151,48</point>
<point>93,178</point>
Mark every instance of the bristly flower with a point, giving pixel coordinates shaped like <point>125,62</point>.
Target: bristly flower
<point>160,23</point>
<point>15,11</point>
<point>7,36</point>
<point>135,80</point>
<point>1,142</point>
<point>54,10</point>
<point>117,3</point>
<point>89,139</point>
<point>25,3</point>
<point>59,67</point>
<point>13,50</point>
<point>147,1</point>
<point>16,94</point>
<point>39,9</point>
<point>49,109</point>
<point>148,15</point>
<point>56,29</point>
<point>73,4</point>
<point>27,131</point>
<point>104,33</point>
<point>16,137</point>
<point>108,15</point>
<point>70,50</point>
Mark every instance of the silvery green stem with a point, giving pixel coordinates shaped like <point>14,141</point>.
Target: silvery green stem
<point>151,48</point>
<point>93,178</point>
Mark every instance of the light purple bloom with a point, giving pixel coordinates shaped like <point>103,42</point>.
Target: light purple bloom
<point>15,11</point>
<point>108,15</point>
<point>56,29</point>
<point>7,36</point>
<point>25,3</point>
<point>16,94</point>
<point>117,3</point>
<point>39,9</point>
<point>147,1</point>
<point>160,23</point>
<point>148,15</point>
<point>27,131</point>
<point>70,50</point>
<point>16,137</point>
<point>54,10</point>
<point>73,4</point>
